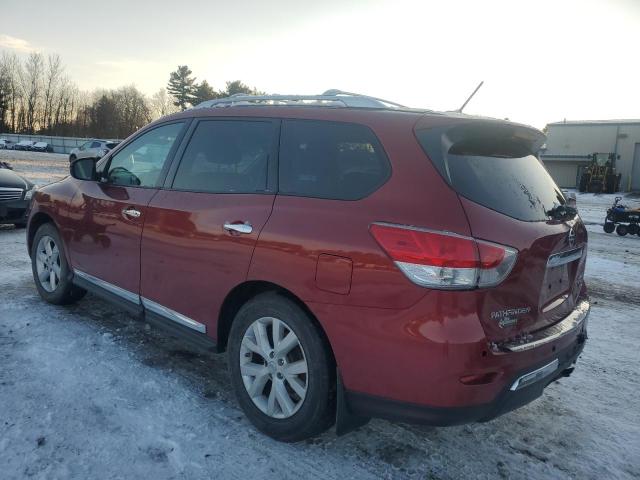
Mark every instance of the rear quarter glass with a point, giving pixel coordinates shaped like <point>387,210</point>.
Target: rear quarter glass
<point>333,160</point>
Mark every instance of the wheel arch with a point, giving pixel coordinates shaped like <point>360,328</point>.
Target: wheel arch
<point>36,222</point>
<point>244,292</point>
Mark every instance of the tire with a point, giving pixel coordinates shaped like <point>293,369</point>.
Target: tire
<point>45,265</point>
<point>609,227</point>
<point>305,415</point>
<point>622,230</point>
<point>633,229</point>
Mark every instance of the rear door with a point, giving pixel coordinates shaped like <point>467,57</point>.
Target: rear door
<point>201,229</point>
<point>107,216</point>
<point>510,198</point>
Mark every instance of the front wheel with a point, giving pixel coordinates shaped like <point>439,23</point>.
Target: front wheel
<point>609,227</point>
<point>281,369</point>
<point>50,268</point>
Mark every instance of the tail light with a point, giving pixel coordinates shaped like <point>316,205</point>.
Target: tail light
<point>442,259</point>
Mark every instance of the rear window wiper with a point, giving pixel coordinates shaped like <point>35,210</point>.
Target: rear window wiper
<point>562,211</point>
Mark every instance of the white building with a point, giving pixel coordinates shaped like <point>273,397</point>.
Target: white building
<point>569,144</point>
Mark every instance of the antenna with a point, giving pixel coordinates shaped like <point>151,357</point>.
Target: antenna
<point>470,97</point>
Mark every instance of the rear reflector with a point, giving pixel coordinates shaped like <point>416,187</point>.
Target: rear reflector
<point>442,259</point>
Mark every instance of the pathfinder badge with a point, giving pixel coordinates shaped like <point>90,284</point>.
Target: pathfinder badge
<point>509,317</point>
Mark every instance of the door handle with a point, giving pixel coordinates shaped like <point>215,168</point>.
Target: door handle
<point>131,212</point>
<point>245,227</point>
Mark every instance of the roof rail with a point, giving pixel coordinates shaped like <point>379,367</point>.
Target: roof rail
<point>330,98</point>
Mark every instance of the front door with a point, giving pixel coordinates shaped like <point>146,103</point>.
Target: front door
<point>106,216</point>
<point>201,230</point>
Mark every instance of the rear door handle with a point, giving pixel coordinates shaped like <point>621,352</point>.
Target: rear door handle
<point>131,212</point>
<point>245,227</point>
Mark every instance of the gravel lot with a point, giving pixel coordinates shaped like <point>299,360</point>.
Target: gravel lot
<point>88,391</point>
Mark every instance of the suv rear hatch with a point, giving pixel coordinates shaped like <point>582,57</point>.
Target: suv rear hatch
<point>510,199</point>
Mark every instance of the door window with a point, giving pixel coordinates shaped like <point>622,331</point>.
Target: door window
<point>226,157</point>
<point>140,163</point>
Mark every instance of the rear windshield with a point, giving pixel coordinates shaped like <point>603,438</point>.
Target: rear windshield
<point>503,177</point>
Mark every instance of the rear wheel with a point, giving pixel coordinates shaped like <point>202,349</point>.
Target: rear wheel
<point>609,227</point>
<point>281,369</point>
<point>633,229</point>
<point>50,269</point>
<point>622,230</point>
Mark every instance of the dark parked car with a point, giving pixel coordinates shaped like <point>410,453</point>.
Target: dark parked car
<point>23,145</point>
<point>355,258</point>
<point>42,147</point>
<point>15,195</point>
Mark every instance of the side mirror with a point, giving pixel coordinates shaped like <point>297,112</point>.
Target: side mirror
<point>571,200</point>
<point>84,169</point>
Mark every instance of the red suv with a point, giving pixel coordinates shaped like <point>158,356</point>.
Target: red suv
<point>355,258</point>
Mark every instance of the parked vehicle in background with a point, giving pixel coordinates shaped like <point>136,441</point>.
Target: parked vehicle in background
<point>5,144</point>
<point>92,149</point>
<point>42,147</point>
<point>15,196</point>
<point>24,145</point>
<point>354,257</point>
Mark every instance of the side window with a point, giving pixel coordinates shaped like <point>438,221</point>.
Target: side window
<point>85,145</point>
<point>140,163</point>
<point>95,145</point>
<point>341,161</point>
<point>226,157</point>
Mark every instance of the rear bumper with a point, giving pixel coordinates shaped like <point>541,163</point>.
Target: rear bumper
<point>509,399</point>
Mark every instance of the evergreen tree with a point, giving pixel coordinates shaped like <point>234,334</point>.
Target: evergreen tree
<point>204,92</point>
<point>181,86</point>
<point>238,87</point>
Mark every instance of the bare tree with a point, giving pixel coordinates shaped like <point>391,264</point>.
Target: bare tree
<point>31,81</point>
<point>12,70</point>
<point>161,104</point>
<point>51,82</point>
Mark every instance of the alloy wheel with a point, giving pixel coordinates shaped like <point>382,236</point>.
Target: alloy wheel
<point>48,263</point>
<point>274,367</point>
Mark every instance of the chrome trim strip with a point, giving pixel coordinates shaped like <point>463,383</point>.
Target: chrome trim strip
<point>563,258</point>
<point>570,323</point>
<point>173,315</point>
<point>121,292</point>
<point>532,377</point>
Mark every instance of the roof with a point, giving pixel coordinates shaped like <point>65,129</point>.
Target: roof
<point>588,123</point>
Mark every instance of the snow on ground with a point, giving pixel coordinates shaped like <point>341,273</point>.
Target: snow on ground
<point>88,391</point>
<point>40,168</point>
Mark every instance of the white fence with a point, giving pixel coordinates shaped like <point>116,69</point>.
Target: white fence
<point>59,144</point>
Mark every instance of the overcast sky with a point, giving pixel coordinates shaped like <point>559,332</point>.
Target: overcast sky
<point>541,60</point>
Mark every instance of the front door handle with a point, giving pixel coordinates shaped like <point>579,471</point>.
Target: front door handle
<point>131,213</point>
<point>245,227</point>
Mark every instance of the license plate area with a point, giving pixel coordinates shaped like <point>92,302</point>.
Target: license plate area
<point>559,278</point>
